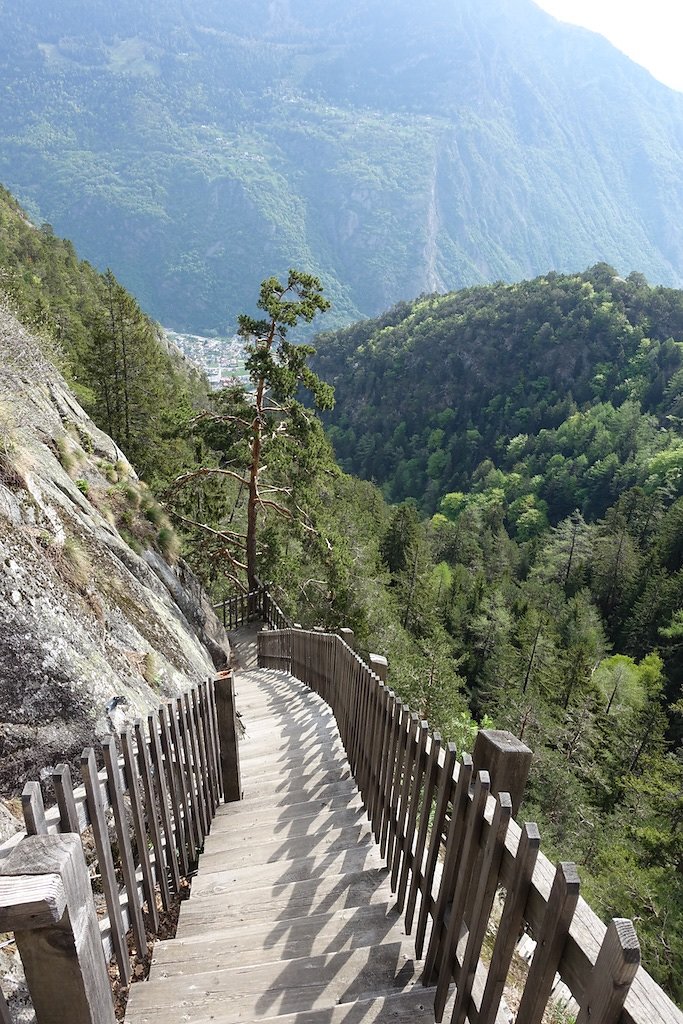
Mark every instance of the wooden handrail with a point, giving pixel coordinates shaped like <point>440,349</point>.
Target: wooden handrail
<point>406,778</point>
<point>255,605</point>
<point>168,771</point>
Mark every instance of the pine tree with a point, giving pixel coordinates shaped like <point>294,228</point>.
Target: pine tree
<point>271,446</point>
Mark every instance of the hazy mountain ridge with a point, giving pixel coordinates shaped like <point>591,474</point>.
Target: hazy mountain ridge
<point>199,150</point>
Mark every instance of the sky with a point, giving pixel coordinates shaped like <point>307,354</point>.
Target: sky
<point>649,33</point>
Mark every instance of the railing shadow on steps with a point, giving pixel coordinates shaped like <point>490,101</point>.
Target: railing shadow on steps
<point>446,829</point>
<point>140,822</point>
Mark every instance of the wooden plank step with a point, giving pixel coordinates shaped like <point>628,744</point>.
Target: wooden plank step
<point>300,794</point>
<point>210,905</point>
<point>251,942</point>
<point>414,1007</point>
<point>267,990</point>
<point>310,821</point>
<point>272,740</point>
<point>275,780</point>
<point>282,816</point>
<point>302,761</point>
<point>294,711</point>
<point>261,847</point>
<point>360,858</point>
<point>290,759</point>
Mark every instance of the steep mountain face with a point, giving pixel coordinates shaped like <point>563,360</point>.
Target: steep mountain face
<point>90,609</point>
<point>394,150</point>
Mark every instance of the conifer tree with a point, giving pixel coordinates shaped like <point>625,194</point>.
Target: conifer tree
<point>270,444</point>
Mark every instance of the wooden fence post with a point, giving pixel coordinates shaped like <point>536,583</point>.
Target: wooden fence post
<point>46,900</point>
<point>347,634</point>
<point>506,759</point>
<point>615,969</point>
<point>224,688</point>
<point>379,665</point>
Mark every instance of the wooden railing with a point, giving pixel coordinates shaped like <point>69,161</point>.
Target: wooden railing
<point>446,829</point>
<point>146,813</point>
<point>254,606</point>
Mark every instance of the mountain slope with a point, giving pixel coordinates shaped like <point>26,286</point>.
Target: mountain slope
<point>199,148</point>
<point>567,387</point>
<point>90,609</point>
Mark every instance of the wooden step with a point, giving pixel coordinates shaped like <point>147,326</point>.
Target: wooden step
<point>211,905</point>
<point>282,816</point>
<point>299,793</point>
<point>268,990</point>
<point>250,942</point>
<point>360,858</point>
<point>308,821</point>
<point>262,847</point>
<point>414,1007</point>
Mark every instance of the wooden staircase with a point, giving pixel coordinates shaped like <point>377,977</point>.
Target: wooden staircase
<point>291,915</point>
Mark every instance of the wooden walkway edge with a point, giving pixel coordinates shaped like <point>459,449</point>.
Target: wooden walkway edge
<point>291,914</point>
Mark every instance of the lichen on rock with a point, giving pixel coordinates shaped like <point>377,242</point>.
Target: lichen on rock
<point>84,618</point>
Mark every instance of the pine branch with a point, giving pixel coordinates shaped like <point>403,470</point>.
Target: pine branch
<point>218,417</point>
<point>265,503</point>
<point>207,471</point>
<point>236,539</point>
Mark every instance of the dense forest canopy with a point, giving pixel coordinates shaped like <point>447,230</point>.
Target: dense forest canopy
<point>561,392</point>
<point>389,148</point>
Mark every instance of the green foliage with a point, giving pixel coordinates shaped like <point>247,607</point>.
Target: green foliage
<point>111,353</point>
<point>262,440</point>
<point>550,581</point>
<point>537,399</point>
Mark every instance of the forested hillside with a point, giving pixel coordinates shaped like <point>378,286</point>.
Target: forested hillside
<point>562,391</point>
<point>545,595</point>
<point>542,423</point>
<point>136,387</point>
<point>389,148</point>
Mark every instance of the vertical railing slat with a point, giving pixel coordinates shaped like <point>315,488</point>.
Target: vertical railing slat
<point>111,763</point>
<point>550,942</point>
<point>453,859</point>
<point>64,791</point>
<point>106,861</point>
<point>510,924</point>
<point>175,792</point>
<point>198,780</point>
<point>417,877</point>
<point>614,970</point>
<point>407,839</point>
<point>191,837</point>
<point>162,799</point>
<point>34,809</point>
<point>410,765</point>
<point>152,810</point>
<point>484,890</point>
<point>132,782</point>
<point>203,756</point>
<point>205,690</point>
<point>397,782</point>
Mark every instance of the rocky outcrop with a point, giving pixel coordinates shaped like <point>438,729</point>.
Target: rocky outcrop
<point>96,625</point>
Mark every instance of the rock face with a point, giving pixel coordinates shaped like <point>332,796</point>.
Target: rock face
<point>84,618</point>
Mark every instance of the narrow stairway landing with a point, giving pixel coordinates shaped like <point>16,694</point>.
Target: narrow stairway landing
<point>291,914</point>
